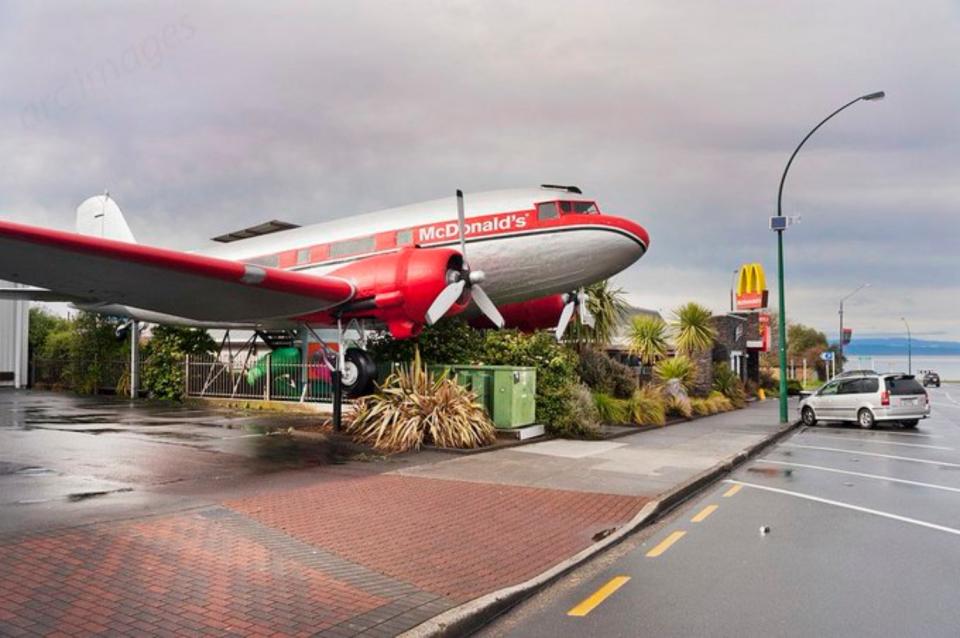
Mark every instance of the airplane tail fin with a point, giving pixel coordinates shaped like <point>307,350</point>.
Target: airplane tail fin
<point>100,216</point>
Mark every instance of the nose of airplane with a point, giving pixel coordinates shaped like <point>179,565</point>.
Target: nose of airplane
<point>633,231</point>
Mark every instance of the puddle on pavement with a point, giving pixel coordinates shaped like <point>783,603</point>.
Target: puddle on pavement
<point>7,468</point>
<point>83,496</point>
<point>285,452</point>
<point>770,471</point>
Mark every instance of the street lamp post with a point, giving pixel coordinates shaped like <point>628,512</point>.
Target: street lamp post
<point>779,225</point>
<point>909,346</point>
<point>840,343</point>
<point>733,285</point>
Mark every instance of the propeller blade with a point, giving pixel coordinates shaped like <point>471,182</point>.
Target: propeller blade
<point>462,224</point>
<point>565,319</point>
<point>444,301</point>
<point>486,306</point>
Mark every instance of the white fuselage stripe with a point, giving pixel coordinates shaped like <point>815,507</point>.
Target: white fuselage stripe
<point>878,477</point>
<point>877,454</point>
<point>849,506</point>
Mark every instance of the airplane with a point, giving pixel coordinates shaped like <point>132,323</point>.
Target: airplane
<point>531,253</point>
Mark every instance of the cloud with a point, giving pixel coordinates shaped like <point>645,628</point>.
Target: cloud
<point>201,119</point>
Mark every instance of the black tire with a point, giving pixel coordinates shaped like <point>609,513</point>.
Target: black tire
<point>910,423</point>
<point>359,372</point>
<point>808,417</point>
<point>865,419</point>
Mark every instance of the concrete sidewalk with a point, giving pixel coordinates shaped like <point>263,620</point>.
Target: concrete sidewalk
<point>362,548</point>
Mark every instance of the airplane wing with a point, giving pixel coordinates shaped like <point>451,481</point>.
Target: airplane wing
<point>30,293</point>
<point>165,281</point>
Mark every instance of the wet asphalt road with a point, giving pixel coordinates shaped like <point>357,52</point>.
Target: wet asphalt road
<point>67,460</point>
<point>864,540</point>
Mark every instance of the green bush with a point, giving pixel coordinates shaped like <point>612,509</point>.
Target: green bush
<point>727,383</point>
<point>647,406</point>
<point>680,368</point>
<point>163,358</point>
<point>450,340</point>
<point>603,374</point>
<point>611,409</point>
<point>556,368</point>
<point>581,420</point>
<point>794,387</point>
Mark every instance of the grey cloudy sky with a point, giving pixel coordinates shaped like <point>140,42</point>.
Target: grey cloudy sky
<point>205,117</point>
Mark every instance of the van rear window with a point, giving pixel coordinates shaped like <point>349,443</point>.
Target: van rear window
<point>903,385</point>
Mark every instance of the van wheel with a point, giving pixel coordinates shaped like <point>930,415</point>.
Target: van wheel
<point>910,423</point>
<point>808,417</point>
<point>865,418</point>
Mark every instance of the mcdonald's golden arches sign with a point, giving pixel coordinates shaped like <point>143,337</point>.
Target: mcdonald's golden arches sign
<point>751,287</point>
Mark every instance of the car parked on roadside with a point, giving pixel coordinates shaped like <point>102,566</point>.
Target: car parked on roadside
<point>867,399</point>
<point>931,378</point>
<point>854,373</point>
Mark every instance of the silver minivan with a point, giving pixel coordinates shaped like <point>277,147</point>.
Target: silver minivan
<point>867,399</point>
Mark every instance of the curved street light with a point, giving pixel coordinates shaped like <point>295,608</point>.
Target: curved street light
<point>840,343</point>
<point>778,224</point>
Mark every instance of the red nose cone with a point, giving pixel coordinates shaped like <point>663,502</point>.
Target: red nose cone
<point>630,227</point>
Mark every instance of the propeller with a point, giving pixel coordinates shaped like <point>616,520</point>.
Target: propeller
<point>463,281</point>
<point>575,302</point>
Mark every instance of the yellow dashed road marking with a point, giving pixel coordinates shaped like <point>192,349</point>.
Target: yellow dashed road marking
<point>704,513</point>
<point>733,490</point>
<point>597,597</point>
<point>665,544</point>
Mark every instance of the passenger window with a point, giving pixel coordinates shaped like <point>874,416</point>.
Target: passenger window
<point>303,256</point>
<point>849,387</point>
<point>404,237</point>
<point>352,247</point>
<point>271,261</point>
<point>547,210</point>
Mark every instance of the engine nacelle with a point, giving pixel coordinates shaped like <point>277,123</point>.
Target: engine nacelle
<point>528,316</point>
<point>399,287</point>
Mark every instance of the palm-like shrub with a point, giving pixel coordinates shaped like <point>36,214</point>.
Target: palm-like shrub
<point>727,383</point>
<point>648,338</point>
<point>679,368</point>
<point>647,406</point>
<point>694,331</point>
<point>611,409</point>
<point>412,408</point>
<point>609,308</point>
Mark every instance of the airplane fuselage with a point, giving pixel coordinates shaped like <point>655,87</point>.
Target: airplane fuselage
<point>529,243</point>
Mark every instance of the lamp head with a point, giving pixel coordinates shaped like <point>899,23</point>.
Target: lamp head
<point>870,97</point>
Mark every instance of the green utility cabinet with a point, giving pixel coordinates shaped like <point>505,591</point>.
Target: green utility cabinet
<point>507,392</point>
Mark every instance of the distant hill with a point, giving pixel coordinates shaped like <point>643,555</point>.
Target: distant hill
<point>898,345</point>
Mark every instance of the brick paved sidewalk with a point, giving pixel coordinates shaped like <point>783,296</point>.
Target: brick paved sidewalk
<point>350,555</point>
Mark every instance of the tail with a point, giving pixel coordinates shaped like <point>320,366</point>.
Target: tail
<point>101,217</point>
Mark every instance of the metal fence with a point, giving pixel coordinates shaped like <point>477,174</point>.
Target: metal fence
<point>265,380</point>
<point>109,376</point>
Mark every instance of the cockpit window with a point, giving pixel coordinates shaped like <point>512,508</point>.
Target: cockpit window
<point>547,210</point>
<point>584,208</point>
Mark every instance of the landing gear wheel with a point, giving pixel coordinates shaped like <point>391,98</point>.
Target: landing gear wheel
<point>808,417</point>
<point>865,419</point>
<point>359,372</point>
<point>910,423</point>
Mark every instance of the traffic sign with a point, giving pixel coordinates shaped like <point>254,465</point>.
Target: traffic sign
<point>826,356</point>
